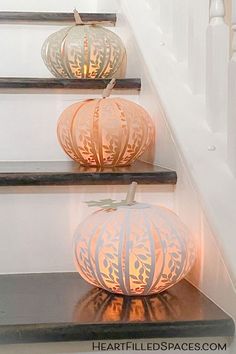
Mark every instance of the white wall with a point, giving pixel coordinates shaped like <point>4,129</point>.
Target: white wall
<point>234,11</point>
<point>184,142</point>
<point>52,5</point>
<point>59,5</point>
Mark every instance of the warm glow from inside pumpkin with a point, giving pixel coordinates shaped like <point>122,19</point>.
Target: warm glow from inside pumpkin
<point>85,52</point>
<point>85,70</point>
<point>134,250</point>
<point>105,132</point>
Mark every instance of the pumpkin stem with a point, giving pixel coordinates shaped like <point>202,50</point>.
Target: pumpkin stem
<point>106,93</point>
<point>77,17</point>
<point>131,193</point>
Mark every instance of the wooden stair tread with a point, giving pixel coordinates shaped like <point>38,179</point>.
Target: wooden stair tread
<point>63,307</point>
<point>71,173</point>
<point>67,84</point>
<point>59,18</point>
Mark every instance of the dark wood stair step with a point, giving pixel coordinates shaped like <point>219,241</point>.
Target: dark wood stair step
<point>130,84</point>
<point>71,173</point>
<point>63,307</point>
<point>58,18</point>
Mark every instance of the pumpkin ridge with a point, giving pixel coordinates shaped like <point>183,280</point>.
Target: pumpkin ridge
<point>152,254</point>
<point>183,250</point>
<point>96,256</point>
<point>63,46</point>
<point>120,154</point>
<point>108,58</point>
<point>96,138</point>
<point>151,290</point>
<point>86,56</point>
<point>121,257</point>
<point>74,118</point>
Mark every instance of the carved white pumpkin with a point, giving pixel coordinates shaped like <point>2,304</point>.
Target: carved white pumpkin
<point>85,51</point>
<point>137,249</point>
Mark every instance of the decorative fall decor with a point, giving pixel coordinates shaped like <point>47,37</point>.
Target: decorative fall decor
<point>105,132</point>
<point>84,51</point>
<point>133,249</point>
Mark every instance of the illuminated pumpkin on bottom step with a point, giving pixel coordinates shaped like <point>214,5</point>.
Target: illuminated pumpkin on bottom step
<point>136,249</point>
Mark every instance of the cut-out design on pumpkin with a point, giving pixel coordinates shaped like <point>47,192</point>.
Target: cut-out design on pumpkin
<point>85,52</point>
<point>136,249</point>
<point>105,132</point>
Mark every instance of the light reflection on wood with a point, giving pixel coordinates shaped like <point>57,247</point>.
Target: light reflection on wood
<point>101,306</point>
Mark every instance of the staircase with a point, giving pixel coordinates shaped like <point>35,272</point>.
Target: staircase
<point>43,193</point>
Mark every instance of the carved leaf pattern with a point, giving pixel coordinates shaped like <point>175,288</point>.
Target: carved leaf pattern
<point>110,132</point>
<point>134,251</point>
<point>84,52</point>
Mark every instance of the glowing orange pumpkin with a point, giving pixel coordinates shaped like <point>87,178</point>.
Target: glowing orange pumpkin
<point>105,132</point>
